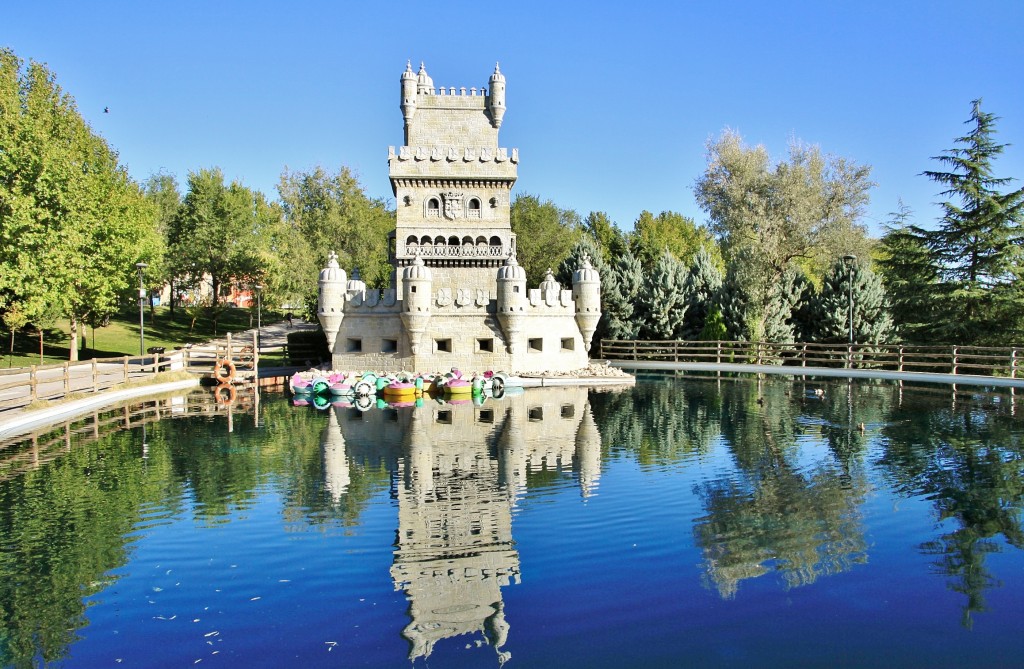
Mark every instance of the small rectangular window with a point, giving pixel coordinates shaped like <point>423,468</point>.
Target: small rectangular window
<point>515,289</point>
<point>389,346</point>
<point>536,345</point>
<point>443,345</point>
<point>568,411</point>
<point>412,289</point>
<point>536,413</point>
<point>568,344</point>
<point>485,345</point>
<point>353,345</point>
<point>485,416</point>
<point>444,417</point>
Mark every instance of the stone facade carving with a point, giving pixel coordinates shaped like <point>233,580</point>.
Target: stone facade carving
<point>469,293</point>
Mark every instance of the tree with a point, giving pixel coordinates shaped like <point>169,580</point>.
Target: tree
<point>978,246</point>
<point>544,234</point>
<point>622,306</point>
<point>161,190</point>
<point>734,302</point>
<point>72,223</point>
<point>786,297</point>
<point>872,323</point>
<point>219,233</point>
<point>609,238</point>
<point>663,305</point>
<point>702,286</point>
<point>331,212</point>
<point>911,278</point>
<point>672,232</point>
<point>769,215</point>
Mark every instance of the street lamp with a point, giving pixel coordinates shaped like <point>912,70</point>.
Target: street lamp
<point>259,314</point>
<point>142,296</point>
<point>850,260</point>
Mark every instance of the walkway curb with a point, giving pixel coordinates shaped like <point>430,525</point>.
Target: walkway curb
<point>920,377</point>
<point>26,420</point>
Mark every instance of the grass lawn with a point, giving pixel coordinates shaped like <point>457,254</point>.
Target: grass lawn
<point>121,337</point>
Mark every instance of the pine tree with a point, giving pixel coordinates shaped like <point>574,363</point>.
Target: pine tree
<point>702,285</point>
<point>783,301</point>
<point>664,302</point>
<point>804,312</point>
<point>736,306</point>
<point>872,322</point>
<point>910,276</point>
<point>978,244</point>
<point>623,319</point>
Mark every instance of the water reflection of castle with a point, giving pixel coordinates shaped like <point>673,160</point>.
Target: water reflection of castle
<point>459,471</point>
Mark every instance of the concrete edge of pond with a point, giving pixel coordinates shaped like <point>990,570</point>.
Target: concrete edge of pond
<point>920,377</point>
<point>25,421</point>
<point>550,381</point>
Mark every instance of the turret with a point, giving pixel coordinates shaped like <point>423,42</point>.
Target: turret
<point>336,472</point>
<point>408,97</point>
<point>497,101</point>
<point>586,292</point>
<point>511,300</point>
<point>331,299</point>
<point>550,289</point>
<point>355,285</point>
<point>424,84</point>
<point>416,298</point>
<point>588,452</point>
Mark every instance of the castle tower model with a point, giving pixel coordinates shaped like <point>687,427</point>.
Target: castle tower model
<point>459,297</point>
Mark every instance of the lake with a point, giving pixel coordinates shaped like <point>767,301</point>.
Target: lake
<point>697,521</point>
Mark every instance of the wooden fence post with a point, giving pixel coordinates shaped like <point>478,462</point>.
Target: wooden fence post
<point>718,352</point>
<point>95,376</point>
<point>255,356</point>
<point>33,382</point>
<point>954,360</point>
<point>1013,363</point>
<point>67,376</point>
<point>803,355</point>
<point>126,370</point>
<point>899,365</point>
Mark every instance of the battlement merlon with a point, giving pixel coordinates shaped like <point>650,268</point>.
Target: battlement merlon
<point>453,162</point>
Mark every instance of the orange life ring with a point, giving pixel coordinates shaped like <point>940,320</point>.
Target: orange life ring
<point>221,398</point>
<point>222,366</point>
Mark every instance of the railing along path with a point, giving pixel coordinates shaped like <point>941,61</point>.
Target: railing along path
<point>899,358</point>
<point>21,386</point>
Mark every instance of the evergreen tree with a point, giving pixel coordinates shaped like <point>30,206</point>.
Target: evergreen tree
<point>804,317</point>
<point>738,305</point>
<point>872,322</point>
<point>622,307</point>
<point>911,278</point>
<point>784,300</point>
<point>702,285</point>
<point>978,245</point>
<point>664,302</point>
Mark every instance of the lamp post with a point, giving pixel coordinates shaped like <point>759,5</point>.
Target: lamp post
<point>259,315</point>
<point>142,296</point>
<point>849,260</point>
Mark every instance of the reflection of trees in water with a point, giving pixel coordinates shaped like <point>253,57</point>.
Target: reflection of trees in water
<point>63,529</point>
<point>663,422</point>
<point>970,464</point>
<point>773,515</point>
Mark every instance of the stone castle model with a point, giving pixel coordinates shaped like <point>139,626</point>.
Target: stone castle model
<point>459,298</point>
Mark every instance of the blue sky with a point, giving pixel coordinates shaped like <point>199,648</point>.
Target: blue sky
<point>609,103</point>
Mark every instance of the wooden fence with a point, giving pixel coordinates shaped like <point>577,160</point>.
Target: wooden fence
<point>973,360</point>
<point>23,385</point>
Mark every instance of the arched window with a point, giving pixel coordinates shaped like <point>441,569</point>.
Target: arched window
<point>425,241</point>
<point>412,241</point>
<point>433,207</point>
<point>474,208</point>
<point>439,241</point>
<point>453,241</point>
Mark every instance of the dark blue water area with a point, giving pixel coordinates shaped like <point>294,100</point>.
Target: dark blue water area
<point>682,523</point>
